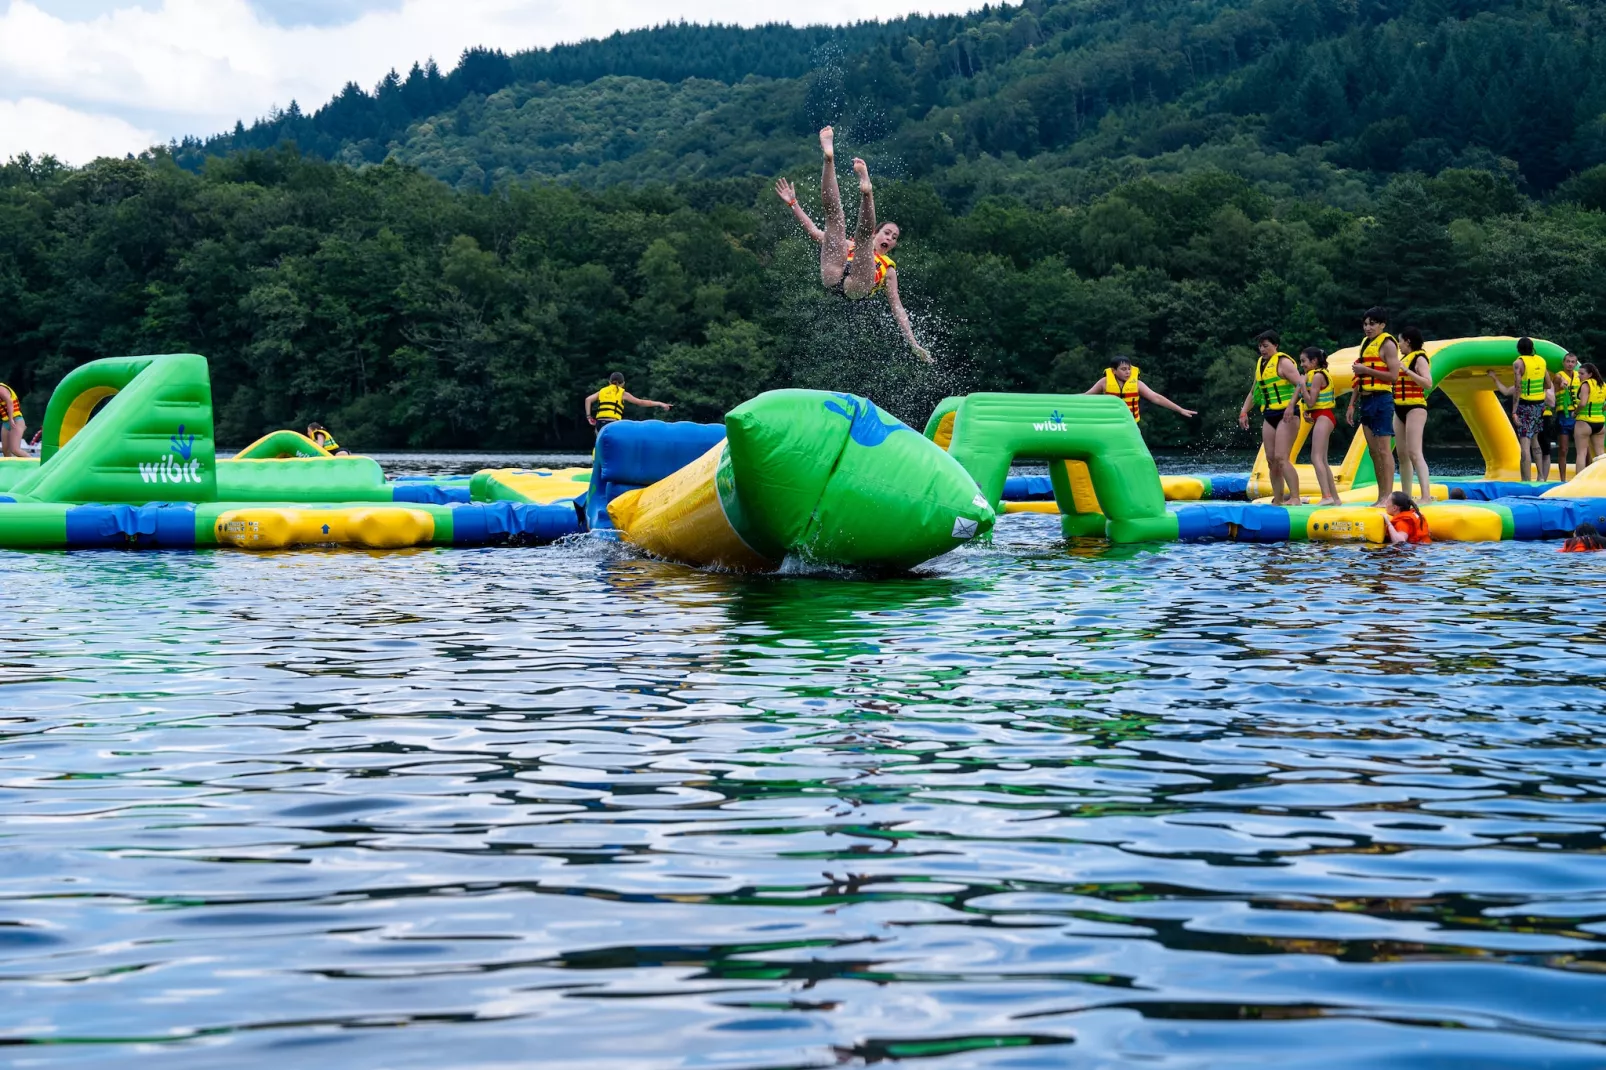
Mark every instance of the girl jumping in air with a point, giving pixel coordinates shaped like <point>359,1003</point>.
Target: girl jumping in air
<point>839,271</point>
<point>1318,406</point>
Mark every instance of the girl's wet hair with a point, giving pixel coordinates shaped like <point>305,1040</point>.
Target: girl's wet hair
<point>1587,536</point>
<point>1317,356</point>
<point>1403,500</point>
<point>1591,371</point>
<point>1412,337</point>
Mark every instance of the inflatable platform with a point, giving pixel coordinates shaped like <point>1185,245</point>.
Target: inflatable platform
<point>1104,482</point>
<point>128,460</point>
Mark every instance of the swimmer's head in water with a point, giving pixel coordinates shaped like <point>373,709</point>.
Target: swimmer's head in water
<point>886,238</point>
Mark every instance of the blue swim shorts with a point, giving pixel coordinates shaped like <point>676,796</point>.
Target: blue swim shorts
<point>1376,410</point>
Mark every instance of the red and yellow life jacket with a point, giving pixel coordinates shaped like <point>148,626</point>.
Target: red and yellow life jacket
<point>1372,357</point>
<point>16,403</point>
<point>882,265</point>
<point>1407,391</point>
<point>1127,391</point>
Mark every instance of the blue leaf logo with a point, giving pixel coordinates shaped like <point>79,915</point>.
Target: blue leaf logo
<point>1055,417</point>
<point>183,444</point>
<point>864,419</point>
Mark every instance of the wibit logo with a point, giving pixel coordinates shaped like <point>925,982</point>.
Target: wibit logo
<point>178,465</point>
<point>864,419</point>
<point>1056,422</point>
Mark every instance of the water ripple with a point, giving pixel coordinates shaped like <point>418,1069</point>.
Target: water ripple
<point>1039,806</point>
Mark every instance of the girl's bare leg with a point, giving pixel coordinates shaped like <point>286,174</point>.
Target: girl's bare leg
<point>834,247</point>
<point>1319,436</point>
<point>862,282</point>
<point>1416,422</point>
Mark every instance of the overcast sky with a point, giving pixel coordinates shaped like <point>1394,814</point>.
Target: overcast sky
<point>87,78</point>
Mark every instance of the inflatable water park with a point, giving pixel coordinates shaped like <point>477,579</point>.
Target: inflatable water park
<point>128,459</point>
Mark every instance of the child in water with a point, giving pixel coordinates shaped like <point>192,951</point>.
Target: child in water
<point>1585,537</point>
<point>1317,406</point>
<point>1406,522</point>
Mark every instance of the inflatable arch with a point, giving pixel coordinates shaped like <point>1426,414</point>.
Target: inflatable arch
<point>280,445</point>
<point>1105,480</point>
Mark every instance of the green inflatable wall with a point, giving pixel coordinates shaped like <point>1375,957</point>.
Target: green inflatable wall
<point>152,441</point>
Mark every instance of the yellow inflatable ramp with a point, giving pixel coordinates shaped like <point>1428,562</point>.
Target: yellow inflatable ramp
<point>386,527</point>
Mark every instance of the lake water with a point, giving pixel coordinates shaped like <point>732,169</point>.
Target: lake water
<point>1037,806</point>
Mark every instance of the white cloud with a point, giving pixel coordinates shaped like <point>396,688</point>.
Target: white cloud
<point>195,66</point>
<point>43,127</point>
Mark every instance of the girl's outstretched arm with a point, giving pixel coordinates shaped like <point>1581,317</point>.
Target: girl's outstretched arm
<point>784,190</point>
<point>902,317</point>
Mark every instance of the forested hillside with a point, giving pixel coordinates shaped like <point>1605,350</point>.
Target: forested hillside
<point>456,259</point>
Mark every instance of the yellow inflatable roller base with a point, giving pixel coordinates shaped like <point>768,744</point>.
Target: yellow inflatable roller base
<point>386,527</point>
<point>1447,522</point>
<point>680,518</point>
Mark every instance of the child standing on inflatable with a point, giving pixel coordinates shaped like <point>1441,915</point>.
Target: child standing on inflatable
<point>839,272</point>
<point>1530,393</point>
<point>610,403</point>
<point>13,428</point>
<point>1411,411</point>
<point>1376,369</point>
<point>1564,385</point>
<point>1276,382</point>
<point>1318,405</point>
<point>1121,380</point>
<point>1590,431</point>
<point>325,440</point>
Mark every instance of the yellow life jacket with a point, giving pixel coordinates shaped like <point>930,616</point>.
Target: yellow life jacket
<point>1532,386</point>
<point>611,403</point>
<point>1594,410</point>
<point>1567,396</point>
<point>326,440</point>
<point>1272,391</point>
<point>1407,391</point>
<point>1324,396</point>
<point>1372,357</point>
<point>882,264</point>
<point>16,403</point>
<point>1127,392</point>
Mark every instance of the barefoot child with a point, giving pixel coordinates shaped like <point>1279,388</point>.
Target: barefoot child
<point>839,272</point>
<point>1411,411</point>
<point>1277,380</point>
<point>13,428</point>
<point>1318,410</point>
<point>1406,522</point>
<point>1121,380</point>
<point>1564,384</point>
<point>1589,433</point>
<point>1376,369</point>
<point>1530,395</point>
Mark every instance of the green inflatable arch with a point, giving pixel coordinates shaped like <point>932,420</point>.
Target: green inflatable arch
<point>1108,485</point>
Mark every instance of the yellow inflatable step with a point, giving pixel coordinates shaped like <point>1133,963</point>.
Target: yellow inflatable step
<point>1346,523</point>
<point>1459,522</point>
<point>386,527</point>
